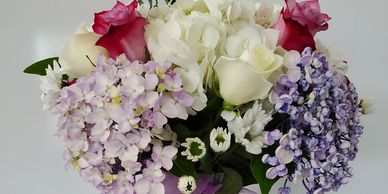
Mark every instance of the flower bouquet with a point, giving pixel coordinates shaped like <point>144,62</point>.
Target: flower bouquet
<point>204,96</point>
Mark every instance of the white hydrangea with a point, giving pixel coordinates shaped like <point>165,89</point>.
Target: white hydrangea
<point>193,34</point>
<point>51,86</point>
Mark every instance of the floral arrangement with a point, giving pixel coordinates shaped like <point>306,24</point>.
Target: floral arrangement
<point>204,96</point>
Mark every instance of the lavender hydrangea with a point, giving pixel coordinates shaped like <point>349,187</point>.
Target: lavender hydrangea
<point>110,119</point>
<point>324,127</point>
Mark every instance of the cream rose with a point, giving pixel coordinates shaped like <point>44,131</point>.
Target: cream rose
<point>243,73</point>
<point>73,58</point>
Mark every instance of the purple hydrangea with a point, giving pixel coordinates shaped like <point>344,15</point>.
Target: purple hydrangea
<point>323,112</point>
<point>110,121</point>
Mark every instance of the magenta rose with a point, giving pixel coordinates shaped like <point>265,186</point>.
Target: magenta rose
<point>122,30</point>
<point>308,13</point>
<point>299,23</point>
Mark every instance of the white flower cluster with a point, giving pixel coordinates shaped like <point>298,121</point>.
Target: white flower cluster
<point>223,38</point>
<point>51,86</point>
<point>249,129</point>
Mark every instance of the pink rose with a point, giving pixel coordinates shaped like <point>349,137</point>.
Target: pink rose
<point>293,36</point>
<point>122,31</point>
<point>299,23</point>
<point>307,13</point>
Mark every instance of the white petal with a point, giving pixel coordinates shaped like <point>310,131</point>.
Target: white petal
<point>284,156</point>
<point>239,83</point>
<point>294,74</point>
<point>156,188</point>
<point>234,46</point>
<point>83,163</point>
<point>190,78</point>
<point>291,59</point>
<point>254,147</point>
<point>271,173</point>
<point>142,186</point>
<point>271,38</point>
<point>210,37</point>
<point>228,115</point>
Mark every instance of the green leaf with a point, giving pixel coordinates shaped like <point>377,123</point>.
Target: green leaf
<point>206,162</point>
<point>232,182</point>
<point>183,132</point>
<point>169,2</point>
<point>182,167</point>
<point>246,174</point>
<point>39,68</point>
<point>259,170</point>
<point>140,2</point>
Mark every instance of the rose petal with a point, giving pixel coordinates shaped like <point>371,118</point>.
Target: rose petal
<point>127,39</point>
<point>120,14</point>
<point>293,36</point>
<point>233,74</point>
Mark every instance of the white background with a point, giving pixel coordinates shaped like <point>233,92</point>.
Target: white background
<point>31,156</point>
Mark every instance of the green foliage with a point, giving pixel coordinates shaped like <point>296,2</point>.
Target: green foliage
<point>182,167</point>
<point>259,170</point>
<point>153,3</point>
<point>39,68</point>
<point>183,132</point>
<point>232,182</point>
<point>206,162</point>
<point>170,2</point>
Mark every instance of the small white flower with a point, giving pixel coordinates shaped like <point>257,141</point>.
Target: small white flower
<point>186,184</point>
<point>334,56</point>
<point>366,106</point>
<point>249,130</point>
<point>220,140</point>
<point>266,14</point>
<point>195,149</point>
<point>51,86</point>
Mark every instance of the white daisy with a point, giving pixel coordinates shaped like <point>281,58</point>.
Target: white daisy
<point>186,184</point>
<point>51,86</point>
<point>219,140</point>
<point>195,149</point>
<point>249,130</point>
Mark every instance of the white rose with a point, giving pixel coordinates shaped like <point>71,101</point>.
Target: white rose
<point>73,58</point>
<point>244,75</point>
<point>240,82</point>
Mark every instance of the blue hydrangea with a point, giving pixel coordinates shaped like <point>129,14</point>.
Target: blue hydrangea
<point>324,126</point>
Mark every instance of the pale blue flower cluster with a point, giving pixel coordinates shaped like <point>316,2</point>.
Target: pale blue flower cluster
<point>110,121</point>
<point>324,127</point>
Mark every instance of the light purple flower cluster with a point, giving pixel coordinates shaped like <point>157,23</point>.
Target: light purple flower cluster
<point>324,127</point>
<point>110,121</point>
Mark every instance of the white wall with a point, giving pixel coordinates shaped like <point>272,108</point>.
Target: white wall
<point>31,156</point>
